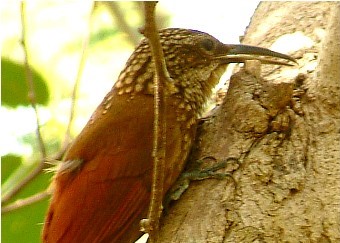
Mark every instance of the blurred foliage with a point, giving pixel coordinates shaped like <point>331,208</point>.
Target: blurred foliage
<point>101,35</point>
<point>9,163</point>
<point>14,88</point>
<point>24,224</point>
<point>55,34</point>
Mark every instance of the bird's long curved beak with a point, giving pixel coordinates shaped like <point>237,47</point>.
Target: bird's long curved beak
<point>242,53</point>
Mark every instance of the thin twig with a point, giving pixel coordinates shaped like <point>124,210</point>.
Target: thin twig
<point>57,157</point>
<point>25,202</point>
<point>122,23</point>
<point>29,80</point>
<point>32,99</point>
<point>77,81</point>
<point>151,225</point>
<point>37,170</point>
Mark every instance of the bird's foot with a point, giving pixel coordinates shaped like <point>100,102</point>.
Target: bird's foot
<point>183,182</point>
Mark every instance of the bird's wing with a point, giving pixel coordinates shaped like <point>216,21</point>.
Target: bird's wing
<point>105,197</point>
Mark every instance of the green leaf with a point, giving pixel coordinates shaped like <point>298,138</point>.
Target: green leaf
<point>14,88</point>
<point>25,224</point>
<point>9,163</point>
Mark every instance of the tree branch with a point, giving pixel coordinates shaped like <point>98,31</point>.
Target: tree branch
<point>151,225</point>
<point>32,99</point>
<point>29,79</point>
<point>122,23</point>
<point>25,202</point>
<point>327,72</point>
<point>82,63</point>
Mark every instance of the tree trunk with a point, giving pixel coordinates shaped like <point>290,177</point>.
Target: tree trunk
<point>283,128</point>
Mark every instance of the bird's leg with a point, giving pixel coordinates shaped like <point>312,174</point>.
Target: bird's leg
<point>196,174</point>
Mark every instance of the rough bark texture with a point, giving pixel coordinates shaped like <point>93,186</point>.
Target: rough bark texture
<point>283,128</point>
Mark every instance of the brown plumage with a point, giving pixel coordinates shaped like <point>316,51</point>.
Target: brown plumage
<point>102,189</point>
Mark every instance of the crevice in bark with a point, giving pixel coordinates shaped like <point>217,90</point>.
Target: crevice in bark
<point>284,129</point>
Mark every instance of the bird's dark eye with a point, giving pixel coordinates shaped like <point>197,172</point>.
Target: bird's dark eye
<point>207,44</point>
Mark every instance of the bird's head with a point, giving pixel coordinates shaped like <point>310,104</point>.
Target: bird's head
<point>195,61</point>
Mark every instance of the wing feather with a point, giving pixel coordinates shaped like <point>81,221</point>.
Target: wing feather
<point>104,199</point>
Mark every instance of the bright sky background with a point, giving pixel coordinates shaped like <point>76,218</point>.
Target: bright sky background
<point>226,20</point>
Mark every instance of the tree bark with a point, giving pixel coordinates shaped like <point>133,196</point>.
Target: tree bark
<point>282,124</point>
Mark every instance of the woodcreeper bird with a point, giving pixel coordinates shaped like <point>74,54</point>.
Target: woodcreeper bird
<point>101,190</point>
